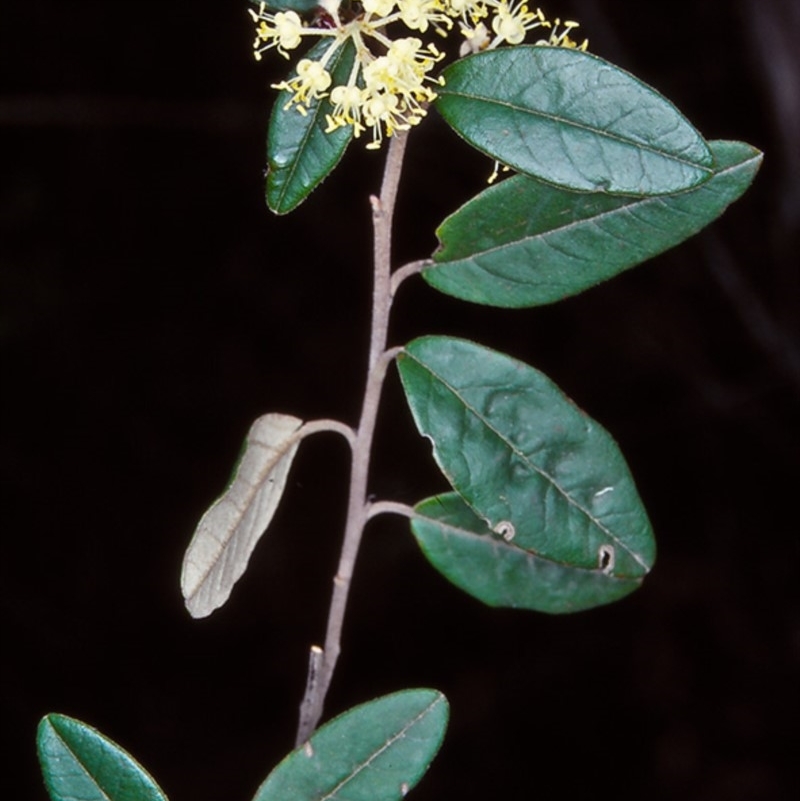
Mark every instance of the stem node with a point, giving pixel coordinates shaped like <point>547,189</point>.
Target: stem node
<point>357,506</point>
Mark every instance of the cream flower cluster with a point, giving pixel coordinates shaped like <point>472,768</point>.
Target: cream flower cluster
<point>390,85</point>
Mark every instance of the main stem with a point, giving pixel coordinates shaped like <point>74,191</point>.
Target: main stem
<point>322,664</point>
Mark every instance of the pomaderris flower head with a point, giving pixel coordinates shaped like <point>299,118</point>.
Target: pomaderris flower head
<point>391,81</point>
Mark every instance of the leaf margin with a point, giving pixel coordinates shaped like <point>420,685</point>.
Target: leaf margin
<point>49,735</point>
<point>282,178</point>
<point>490,508</point>
<point>447,98</point>
<point>275,781</point>
<point>200,597</point>
<point>478,577</point>
<point>461,276</point>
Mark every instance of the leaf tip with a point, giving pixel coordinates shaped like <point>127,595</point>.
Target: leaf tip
<point>198,610</point>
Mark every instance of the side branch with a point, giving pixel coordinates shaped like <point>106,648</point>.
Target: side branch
<point>321,426</point>
<point>406,271</point>
<point>392,508</point>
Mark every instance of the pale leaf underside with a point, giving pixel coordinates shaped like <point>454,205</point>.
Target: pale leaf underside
<point>228,532</point>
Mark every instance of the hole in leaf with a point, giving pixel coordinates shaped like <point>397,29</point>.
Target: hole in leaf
<point>605,557</point>
<point>505,528</point>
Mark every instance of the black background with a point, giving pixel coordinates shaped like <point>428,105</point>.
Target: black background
<point>151,308</point>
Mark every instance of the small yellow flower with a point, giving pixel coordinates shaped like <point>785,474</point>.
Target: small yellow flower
<point>419,14</point>
<point>379,8</point>
<point>390,83</point>
<point>347,103</point>
<point>288,27</point>
<point>563,39</point>
<point>512,22</point>
<point>283,30</point>
<point>475,39</point>
<point>310,83</point>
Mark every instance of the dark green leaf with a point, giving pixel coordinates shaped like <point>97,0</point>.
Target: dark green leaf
<point>525,243</point>
<point>375,752</point>
<point>477,560</point>
<point>525,459</point>
<point>80,764</point>
<point>573,119</point>
<point>300,154</point>
<point>300,6</point>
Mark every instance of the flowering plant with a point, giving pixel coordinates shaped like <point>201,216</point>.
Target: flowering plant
<point>388,84</point>
<point>542,512</point>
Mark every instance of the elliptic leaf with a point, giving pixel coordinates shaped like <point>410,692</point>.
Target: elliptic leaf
<point>526,243</point>
<point>374,752</point>
<point>525,458</point>
<point>498,572</point>
<point>573,119</point>
<point>228,532</point>
<point>80,764</point>
<point>300,154</point>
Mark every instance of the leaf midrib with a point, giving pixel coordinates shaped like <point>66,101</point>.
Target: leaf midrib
<point>294,167</point>
<point>635,204</point>
<point>78,761</point>
<point>375,754</point>
<point>533,466</point>
<point>554,118</point>
<point>513,548</point>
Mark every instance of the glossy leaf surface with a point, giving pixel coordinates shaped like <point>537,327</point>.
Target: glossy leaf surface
<point>300,154</point>
<point>525,458</point>
<point>526,243</point>
<point>229,531</point>
<point>573,119</point>
<point>80,764</point>
<point>300,6</point>
<point>375,752</point>
<point>481,562</point>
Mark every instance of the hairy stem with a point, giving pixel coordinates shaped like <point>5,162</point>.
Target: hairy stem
<point>313,702</point>
<point>406,271</point>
